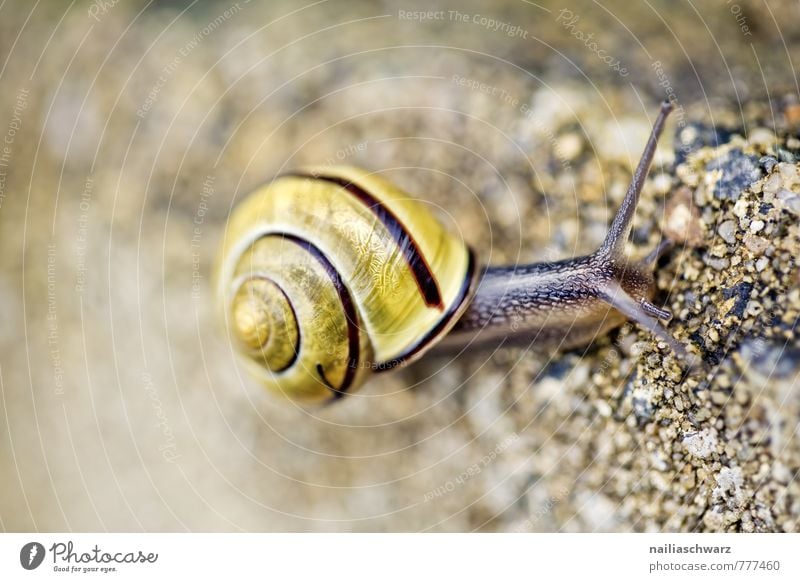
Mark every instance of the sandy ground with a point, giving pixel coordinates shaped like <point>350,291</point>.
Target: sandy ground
<point>131,129</point>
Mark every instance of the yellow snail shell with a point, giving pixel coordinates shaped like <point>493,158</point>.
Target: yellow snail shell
<point>322,281</point>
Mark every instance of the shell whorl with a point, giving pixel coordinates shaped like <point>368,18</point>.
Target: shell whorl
<point>333,273</point>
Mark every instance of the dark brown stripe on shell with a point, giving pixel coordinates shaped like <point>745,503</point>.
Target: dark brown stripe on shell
<point>353,344</point>
<point>463,295</point>
<point>297,325</point>
<point>426,281</point>
<point>337,394</point>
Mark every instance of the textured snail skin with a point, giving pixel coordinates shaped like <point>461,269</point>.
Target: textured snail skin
<point>569,303</point>
<point>331,274</point>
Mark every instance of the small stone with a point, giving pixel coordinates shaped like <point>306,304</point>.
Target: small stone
<point>768,162</point>
<point>662,183</point>
<point>702,415</point>
<point>761,264</point>
<point>762,137</point>
<point>756,244</point>
<point>720,398</point>
<point>695,136</point>
<point>735,171</point>
<point>789,172</point>
<point>716,263</point>
<point>687,175</point>
<point>603,409</point>
<point>757,226</point>
<point>740,208</point>
<point>781,473</point>
<point>713,520</point>
<point>792,114</point>
<point>700,444</point>
<point>727,230</point>
<point>772,184</point>
<point>790,200</point>
<point>754,308</point>
<point>729,482</point>
<point>569,146</point>
<point>682,221</point>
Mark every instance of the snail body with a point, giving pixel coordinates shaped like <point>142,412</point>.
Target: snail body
<point>331,274</point>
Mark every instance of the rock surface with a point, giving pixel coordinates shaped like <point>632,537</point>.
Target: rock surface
<point>134,133</point>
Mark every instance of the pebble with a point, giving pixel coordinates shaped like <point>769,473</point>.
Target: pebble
<point>756,244</point>
<point>569,146</point>
<point>716,263</point>
<point>789,172</point>
<point>768,162</point>
<point>790,200</point>
<point>682,221</point>
<point>735,171</point>
<point>757,226</point>
<point>741,207</point>
<point>713,520</point>
<point>702,414</point>
<point>720,398</point>
<point>727,230</point>
<point>662,183</point>
<point>792,114</point>
<point>762,137</point>
<point>773,183</point>
<point>700,444</point>
<point>781,473</point>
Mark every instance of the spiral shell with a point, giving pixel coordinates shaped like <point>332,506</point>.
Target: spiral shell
<point>331,274</point>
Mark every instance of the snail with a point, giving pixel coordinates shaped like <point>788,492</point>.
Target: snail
<point>331,274</point>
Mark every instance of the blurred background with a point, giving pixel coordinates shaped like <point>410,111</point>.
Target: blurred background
<point>130,130</point>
